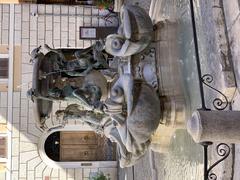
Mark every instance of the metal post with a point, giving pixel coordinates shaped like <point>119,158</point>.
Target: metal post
<point>195,39</point>
<point>205,158</point>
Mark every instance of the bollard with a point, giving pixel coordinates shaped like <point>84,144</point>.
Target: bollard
<point>215,126</point>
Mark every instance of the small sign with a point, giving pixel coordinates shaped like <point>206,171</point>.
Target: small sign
<point>96,32</point>
<point>88,33</point>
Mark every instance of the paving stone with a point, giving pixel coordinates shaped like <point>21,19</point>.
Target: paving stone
<point>80,10</point>
<point>87,21</point>
<point>95,11</point>
<point>25,58</point>
<point>94,21</point>
<point>17,37</point>
<point>70,174</point>
<point>47,172</point>
<point>33,23</point>
<point>25,137</point>
<point>64,23</point>
<point>27,147</point>
<point>39,169</point>
<point>79,22</point>
<point>64,39</point>
<point>32,129</point>
<point>56,18</point>
<point>49,8</point>
<point>72,43</point>
<point>72,10</point>
<point>49,22</point>
<point>24,107</point>
<point>25,46</point>
<point>4,99</point>
<point>16,115</point>
<point>49,38</point>
<point>25,30</point>
<point>56,31</point>
<point>41,31</point>
<point>57,43</point>
<point>41,8</point>
<point>31,116</point>
<point>72,31</point>
<point>87,43</point>
<point>32,164</point>
<point>27,69</point>
<point>15,146</point>
<point>18,8</point>
<point>86,172</point>
<point>33,8</point>
<point>79,174</point>
<point>15,163</point>
<point>6,8</point>
<point>3,115</point>
<point>80,43</point>
<point>15,130</point>
<point>56,9</point>
<point>15,175</point>
<point>87,11</point>
<point>25,12</point>
<point>33,38</point>
<point>23,171</point>
<point>5,37</point>
<point>63,174</point>
<point>64,9</point>
<point>17,21</point>
<point>30,175</point>
<point>24,119</point>
<point>26,156</point>
<point>41,42</point>
<point>55,173</point>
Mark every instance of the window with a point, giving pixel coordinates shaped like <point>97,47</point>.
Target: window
<point>3,147</point>
<point>3,68</point>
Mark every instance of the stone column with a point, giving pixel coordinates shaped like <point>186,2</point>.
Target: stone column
<point>215,126</point>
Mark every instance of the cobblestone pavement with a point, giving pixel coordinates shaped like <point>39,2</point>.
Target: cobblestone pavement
<point>58,26</point>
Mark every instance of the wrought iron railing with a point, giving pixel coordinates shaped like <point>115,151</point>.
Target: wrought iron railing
<point>223,150</point>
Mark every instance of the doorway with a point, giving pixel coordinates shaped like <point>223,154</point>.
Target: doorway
<point>70,146</point>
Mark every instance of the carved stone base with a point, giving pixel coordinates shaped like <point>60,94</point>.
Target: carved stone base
<point>172,92</point>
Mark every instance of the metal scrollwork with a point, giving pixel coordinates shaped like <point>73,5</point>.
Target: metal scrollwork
<point>218,103</point>
<point>212,176</point>
<point>223,150</point>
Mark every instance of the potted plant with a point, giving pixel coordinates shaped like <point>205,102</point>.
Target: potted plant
<point>100,176</point>
<point>105,4</point>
